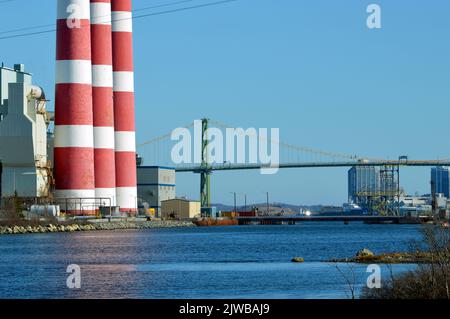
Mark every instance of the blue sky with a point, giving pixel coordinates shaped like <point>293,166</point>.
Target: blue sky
<point>309,67</point>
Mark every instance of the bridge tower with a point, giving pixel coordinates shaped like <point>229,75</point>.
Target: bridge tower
<point>205,169</point>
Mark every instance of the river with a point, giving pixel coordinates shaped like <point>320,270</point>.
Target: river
<point>209,262</point>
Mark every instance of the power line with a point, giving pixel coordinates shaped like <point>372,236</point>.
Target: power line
<point>163,5</point>
<point>133,18</point>
<point>184,9</point>
<point>54,25</point>
<point>26,34</point>
<point>28,28</point>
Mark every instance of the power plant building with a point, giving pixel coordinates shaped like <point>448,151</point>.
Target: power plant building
<point>155,185</point>
<point>24,121</point>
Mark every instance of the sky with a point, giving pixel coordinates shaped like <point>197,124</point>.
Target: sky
<point>311,68</point>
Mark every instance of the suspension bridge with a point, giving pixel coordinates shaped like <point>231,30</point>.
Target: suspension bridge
<point>290,157</point>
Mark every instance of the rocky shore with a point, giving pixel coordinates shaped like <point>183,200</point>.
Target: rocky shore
<point>365,256</point>
<point>116,225</point>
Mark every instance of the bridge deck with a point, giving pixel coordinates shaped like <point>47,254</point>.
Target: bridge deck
<point>228,167</point>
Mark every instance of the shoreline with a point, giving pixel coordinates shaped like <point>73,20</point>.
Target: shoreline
<point>388,258</point>
<point>95,226</point>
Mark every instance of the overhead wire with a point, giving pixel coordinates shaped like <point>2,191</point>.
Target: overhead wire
<point>198,6</point>
<point>134,10</point>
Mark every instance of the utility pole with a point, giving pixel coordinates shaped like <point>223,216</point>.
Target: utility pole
<point>267,197</point>
<point>234,196</point>
<point>245,202</point>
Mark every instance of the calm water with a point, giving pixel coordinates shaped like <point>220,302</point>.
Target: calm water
<point>225,262</point>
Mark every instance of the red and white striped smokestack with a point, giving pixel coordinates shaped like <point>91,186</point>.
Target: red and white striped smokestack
<point>74,152</point>
<point>125,137</point>
<point>102,97</point>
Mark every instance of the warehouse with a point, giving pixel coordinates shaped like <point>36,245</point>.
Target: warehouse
<point>24,122</point>
<point>180,208</point>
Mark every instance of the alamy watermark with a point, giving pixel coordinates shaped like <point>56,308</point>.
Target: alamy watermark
<point>374,279</point>
<point>374,18</point>
<point>74,279</point>
<point>231,148</point>
<point>74,18</point>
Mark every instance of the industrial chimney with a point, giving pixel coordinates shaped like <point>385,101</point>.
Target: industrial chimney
<point>124,122</point>
<point>74,152</point>
<point>102,97</point>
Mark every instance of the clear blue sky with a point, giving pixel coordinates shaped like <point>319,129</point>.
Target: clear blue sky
<point>309,67</point>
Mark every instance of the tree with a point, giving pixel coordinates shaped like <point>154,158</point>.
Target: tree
<point>18,205</point>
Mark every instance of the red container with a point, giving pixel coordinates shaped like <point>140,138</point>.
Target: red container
<point>246,214</point>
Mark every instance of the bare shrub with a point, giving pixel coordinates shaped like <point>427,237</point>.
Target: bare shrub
<point>430,281</point>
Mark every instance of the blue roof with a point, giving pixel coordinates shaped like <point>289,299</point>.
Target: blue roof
<point>155,184</point>
<point>159,167</point>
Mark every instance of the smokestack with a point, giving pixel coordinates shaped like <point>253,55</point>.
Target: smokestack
<point>102,97</point>
<point>74,152</point>
<point>125,137</point>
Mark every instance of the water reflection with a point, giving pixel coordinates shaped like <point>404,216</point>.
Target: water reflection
<point>234,262</point>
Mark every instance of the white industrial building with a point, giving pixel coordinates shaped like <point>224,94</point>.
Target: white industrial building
<point>154,185</point>
<point>413,201</point>
<point>23,135</point>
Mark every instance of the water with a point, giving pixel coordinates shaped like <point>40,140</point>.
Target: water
<point>211,262</point>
